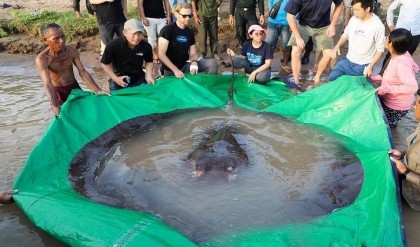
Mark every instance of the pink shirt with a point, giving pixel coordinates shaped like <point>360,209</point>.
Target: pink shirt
<point>399,83</point>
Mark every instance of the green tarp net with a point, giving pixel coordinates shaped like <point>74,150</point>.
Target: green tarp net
<point>347,108</point>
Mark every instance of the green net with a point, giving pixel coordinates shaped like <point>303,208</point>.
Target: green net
<point>347,108</point>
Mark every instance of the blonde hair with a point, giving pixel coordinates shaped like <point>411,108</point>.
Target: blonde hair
<point>180,6</point>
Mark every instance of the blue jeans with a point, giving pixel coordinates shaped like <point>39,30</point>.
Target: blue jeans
<point>262,77</point>
<point>205,65</point>
<point>276,30</point>
<point>345,67</point>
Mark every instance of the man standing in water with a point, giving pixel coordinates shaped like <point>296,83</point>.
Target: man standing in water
<point>55,65</point>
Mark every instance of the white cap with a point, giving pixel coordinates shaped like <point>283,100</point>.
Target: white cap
<point>256,28</point>
<point>133,26</point>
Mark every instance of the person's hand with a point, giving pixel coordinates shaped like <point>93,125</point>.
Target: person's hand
<point>150,80</point>
<point>145,22</point>
<point>6,196</point>
<point>400,166</point>
<point>368,70</point>
<point>122,81</point>
<point>395,153</point>
<point>103,92</point>
<point>230,52</point>
<point>231,20</point>
<point>168,19</point>
<point>335,51</point>
<point>262,20</point>
<point>56,110</point>
<point>193,69</point>
<point>178,73</point>
<point>197,20</point>
<point>252,76</point>
<point>331,31</point>
<point>391,28</point>
<point>381,90</point>
<point>300,43</point>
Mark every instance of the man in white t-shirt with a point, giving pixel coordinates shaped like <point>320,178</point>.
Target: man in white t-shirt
<point>365,34</point>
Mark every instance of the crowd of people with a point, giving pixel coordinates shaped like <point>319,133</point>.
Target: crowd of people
<point>128,57</point>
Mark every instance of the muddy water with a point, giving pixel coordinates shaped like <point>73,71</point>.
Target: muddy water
<point>147,170</point>
<point>25,114</point>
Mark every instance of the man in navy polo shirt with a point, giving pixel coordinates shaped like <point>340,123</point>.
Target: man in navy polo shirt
<point>312,18</point>
<point>123,58</point>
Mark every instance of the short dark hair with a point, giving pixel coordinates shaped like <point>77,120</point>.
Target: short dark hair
<point>47,26</point>
<point>401,39</point>
<point>364,3</point>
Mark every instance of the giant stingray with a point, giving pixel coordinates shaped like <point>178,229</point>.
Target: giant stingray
<point>219,152</point>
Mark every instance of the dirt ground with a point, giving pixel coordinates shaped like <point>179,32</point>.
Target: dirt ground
<point>23,44</point>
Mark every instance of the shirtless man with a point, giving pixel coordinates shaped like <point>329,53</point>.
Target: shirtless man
<point>55,65</point>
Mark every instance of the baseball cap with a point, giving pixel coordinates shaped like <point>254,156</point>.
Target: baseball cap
<point>256,28</point>
<point>133,26</point>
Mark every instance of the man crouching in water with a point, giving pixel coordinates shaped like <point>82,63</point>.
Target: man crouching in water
<point>55,65</point>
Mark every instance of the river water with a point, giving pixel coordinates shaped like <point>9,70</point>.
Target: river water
<point>25,113</point>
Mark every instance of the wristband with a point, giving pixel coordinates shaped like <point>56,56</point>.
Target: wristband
<point>405,173</point>
<point>193,67</point>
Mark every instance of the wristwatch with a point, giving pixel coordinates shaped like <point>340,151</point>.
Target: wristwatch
<point>404,175</point>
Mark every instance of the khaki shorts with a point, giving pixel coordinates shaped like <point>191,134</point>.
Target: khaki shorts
<point>319,37</point>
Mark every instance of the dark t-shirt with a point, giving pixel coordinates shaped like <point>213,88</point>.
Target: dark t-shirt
<point>154,8</point>
<point>313,13</point>
<point>110,12</point>
<point>126,61</point>
<point>256,56</point>
<point>180,41</point>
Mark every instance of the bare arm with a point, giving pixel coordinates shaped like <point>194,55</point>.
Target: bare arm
<point>336,49</point>
<point>87,78</point>
<point>390,14</point>
<point>261,11</point>
<point>375,59</point>
<point>253,75</point>
<point>336,14</point>
<point>141,12</point>
<point>117,79</point>
<point>197,20</point>
<point>402,169</point>
<point>193,58</point>
<point>42,65</point>
<point>347,12</point>
<point>168,11</point>
<point>149,73</point>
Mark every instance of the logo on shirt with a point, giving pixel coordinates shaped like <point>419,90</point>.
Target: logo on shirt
<point>181,39</point>
<point>139,54</point>
<point>359,32</point>
<point>254,60</point>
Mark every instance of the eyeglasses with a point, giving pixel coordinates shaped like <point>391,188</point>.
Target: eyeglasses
<point>258,33</point>
<point>185,16</point>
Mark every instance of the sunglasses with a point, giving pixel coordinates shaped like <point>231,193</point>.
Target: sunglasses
<point>185,16</point>
<point>259,33</point>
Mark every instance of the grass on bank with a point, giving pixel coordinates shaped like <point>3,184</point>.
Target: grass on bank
<point>30,23</point>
